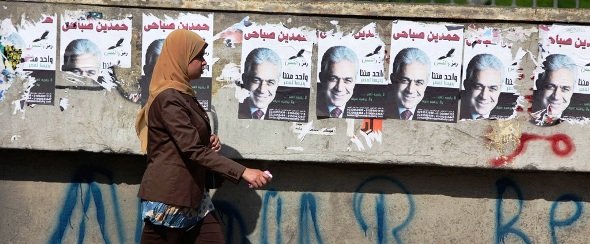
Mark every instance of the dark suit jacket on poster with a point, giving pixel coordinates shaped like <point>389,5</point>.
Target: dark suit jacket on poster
<point>321,109</point>
<point>464,107</point>
<point>179,157</point>
<point>391,110</point>
<point>244,110</point>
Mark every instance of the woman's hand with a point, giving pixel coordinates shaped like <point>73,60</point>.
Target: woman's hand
<point>215,143</point>
<point>256,178</point>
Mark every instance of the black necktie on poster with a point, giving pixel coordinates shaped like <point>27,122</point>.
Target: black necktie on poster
<point>406,114</point>
<point>257,114</point>
<point>335,113</point>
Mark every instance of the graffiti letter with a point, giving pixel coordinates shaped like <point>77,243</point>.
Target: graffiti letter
<point>380,210</point>
<point>504,229</point>
<point>264,228</point>
<point>308,204</point>
<point>554,224</point>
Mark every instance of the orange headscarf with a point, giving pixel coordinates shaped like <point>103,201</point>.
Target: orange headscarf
<point>171,71</point>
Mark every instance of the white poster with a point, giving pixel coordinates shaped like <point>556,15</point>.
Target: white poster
<point>425,71</point>
<point>351,80</point>
<point>155,30</point>
<point>276,72</point>
<point>90,47</point>
<point>562,77</point>
<point>489,74</point>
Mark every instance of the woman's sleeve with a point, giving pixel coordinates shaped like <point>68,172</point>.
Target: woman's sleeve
<point>175,117</point>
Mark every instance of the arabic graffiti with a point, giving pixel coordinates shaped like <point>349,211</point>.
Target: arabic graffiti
<point>561,145</point>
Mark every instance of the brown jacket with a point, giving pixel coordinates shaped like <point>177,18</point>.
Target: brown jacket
<point>178,152</point>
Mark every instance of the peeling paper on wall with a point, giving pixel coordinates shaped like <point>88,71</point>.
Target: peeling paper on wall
<point>359,145</point>
<point>295,148</point>
<point>63,103</point>
<point>230,75</point>
<point>29,57</point>
<point>518,34</point>
<point>370,132</point>
<point>28,83</point>
<point>233,35</point>
<point>490,49</point>
<point>12,44</point>
<point>81,30</point>
<point>304,129</point>
<point>564,51</point>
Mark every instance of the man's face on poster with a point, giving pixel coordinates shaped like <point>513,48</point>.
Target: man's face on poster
<point>485,91</point>
<point>262,83</point>
<point>557,90</point>
<point>85,65</point>
<point>410,84</point>
<point>339,81</point>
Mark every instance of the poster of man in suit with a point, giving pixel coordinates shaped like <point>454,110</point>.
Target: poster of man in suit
<point>90,46</point>
<point>276,73</point>
<point>490,71</point>
<point>425,71</point>
<point>350,74</point>
<point>562,78</point>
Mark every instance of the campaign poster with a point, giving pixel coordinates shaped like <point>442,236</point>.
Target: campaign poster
<point>156,29</point>
<point>562,77</point>
<point>489,73</point>
<point>37,57</point>
<point>276,73</point>
<point>425,71</point>
<point>351,81</point>
<point>90,46</point>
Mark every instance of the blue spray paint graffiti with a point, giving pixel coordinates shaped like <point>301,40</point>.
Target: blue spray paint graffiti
<point>554,224</point>
<point>86,175</point>
<point>264,228</point>
<point>380,210</point>
<point>138,223</point>
<point>308,209</point>
<point>229,214</point>
<point>504,229</point>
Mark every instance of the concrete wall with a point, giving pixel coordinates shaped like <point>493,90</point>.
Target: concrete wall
<point>70,196</point>
<point>72,175</point>
<point>101,120</point>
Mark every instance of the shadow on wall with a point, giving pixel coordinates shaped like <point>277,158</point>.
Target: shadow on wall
<point>25,165</point>
<point>94,180</point>
<point>239,212</point>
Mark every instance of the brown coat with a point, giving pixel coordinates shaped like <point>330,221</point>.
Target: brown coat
<point>178,152</point>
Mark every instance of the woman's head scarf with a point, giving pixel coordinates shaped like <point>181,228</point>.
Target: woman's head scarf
<point>171,71</point>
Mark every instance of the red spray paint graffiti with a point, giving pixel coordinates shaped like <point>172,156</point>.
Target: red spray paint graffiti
<point>561,144</point>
